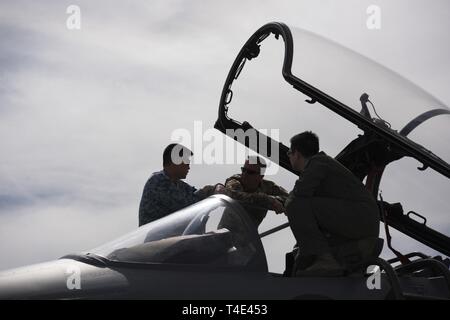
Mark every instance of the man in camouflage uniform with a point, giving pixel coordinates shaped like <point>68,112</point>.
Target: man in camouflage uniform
<point>164,192</point>
<point>256,194</point>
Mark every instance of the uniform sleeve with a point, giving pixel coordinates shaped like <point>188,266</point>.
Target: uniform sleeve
<point>279,193</point>
<point>190,194</point>
<point>258,199</point>
<point>204,192</point>
<point>312,177</point>
<point>150,203</point>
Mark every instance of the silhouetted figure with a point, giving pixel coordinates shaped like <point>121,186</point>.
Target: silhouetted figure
<point>256,194</point>
<point>327,198</point>
<point>164,192</point>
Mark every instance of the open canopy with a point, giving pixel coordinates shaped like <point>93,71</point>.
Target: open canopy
<point>356,88</point>
<point>368,117</point>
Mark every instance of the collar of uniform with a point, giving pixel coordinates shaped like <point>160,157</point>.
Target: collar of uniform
<point>166,176</point>
<point>164,173</point>
<point>321,153</point>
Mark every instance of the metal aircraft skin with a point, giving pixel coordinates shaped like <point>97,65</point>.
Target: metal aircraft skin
<point>205,261</point>
<point>212,250</point>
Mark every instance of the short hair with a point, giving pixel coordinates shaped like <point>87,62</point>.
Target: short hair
<point>307,143</point>
<point>176,153</point>
<point>258,161</point>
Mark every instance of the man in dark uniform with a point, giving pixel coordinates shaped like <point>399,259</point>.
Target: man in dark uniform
<point>256,194</point>
<point>326,198</point>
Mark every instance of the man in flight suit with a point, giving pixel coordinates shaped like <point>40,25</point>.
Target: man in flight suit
<point>326,198</point>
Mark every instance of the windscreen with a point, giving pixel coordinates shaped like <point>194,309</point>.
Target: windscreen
<point>210,232</point>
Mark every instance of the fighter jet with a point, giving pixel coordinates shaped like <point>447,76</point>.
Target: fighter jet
<point>212,250</point>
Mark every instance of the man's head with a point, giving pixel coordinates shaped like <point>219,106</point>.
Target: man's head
<point>252,173</point>
<point>176,161</point>
<point>303,146</point>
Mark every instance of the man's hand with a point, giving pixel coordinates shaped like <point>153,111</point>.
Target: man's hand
<point>220,189</point>
<point>277,206</point>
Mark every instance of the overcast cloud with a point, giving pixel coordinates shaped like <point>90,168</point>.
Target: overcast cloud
<point>85,114</point>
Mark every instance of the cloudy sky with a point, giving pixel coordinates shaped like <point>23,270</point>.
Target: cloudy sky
<point>85,114</point>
